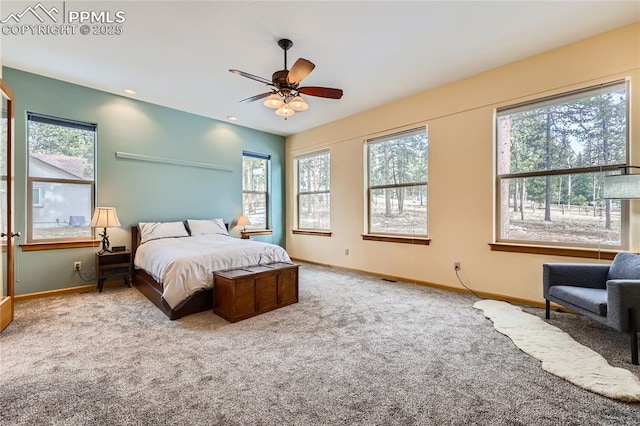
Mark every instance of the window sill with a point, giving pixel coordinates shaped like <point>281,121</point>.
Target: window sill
<point>424,241</point>
<point>310,232</point>
<point>588,253</point>
<point>58,245</point>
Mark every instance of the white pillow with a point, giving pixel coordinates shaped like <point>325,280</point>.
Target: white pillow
<point>207,227</point>
<point>156,230</point>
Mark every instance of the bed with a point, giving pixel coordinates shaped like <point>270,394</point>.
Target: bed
<point>174,267</point>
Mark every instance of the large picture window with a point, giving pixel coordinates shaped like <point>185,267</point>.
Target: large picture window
<point>397,184</point>
<point>60,183</point>
<point>314,191</point>
<point>255,189</point>
<point>552,155</point>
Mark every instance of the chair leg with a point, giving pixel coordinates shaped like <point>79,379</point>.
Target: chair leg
<point>547,310</point>
<point>633,330</point>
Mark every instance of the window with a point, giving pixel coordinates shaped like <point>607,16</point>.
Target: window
<point>255,189</point>
<point>397,184</point>
<point>37,197</point>
<point>552,155</point>
<point>60,179</point>
<point>314,197</point>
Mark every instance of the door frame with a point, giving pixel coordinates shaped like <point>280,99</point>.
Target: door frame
<point>6,301</point>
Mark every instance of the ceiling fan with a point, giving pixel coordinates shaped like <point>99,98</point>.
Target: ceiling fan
<point>285,92</point>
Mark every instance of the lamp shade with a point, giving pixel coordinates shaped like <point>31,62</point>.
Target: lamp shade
<point>104,217</point>
<point>273,101</point>
<point>298,104</point>
<point>624,187</point>
<point>243,221</point>
<point>285,111</point>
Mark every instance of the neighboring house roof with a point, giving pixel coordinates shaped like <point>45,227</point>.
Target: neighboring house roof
<point>72,165</point>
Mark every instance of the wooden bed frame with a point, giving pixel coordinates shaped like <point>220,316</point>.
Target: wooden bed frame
<point>147,285</point>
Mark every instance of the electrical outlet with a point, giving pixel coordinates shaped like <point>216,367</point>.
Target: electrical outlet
<point>77,266</point>
<point>346,252</point>
<point>456,266</point>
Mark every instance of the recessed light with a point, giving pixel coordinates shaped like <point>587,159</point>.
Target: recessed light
<point>130,91</point>
<point>231,118</point>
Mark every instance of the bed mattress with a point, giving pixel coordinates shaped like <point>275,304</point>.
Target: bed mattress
<point>185,265</point>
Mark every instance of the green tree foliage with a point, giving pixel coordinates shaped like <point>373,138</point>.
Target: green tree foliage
<point>254,188</point>
<point>581,133</point>
<point>399,161</point>
<point>313,173</point>
<point>313,188</point>
<point>45,138</point>
<point>254,174</point>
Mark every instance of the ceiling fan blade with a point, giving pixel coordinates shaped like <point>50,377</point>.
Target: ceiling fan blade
<point>256,97</point>
<point>322,92</point>
<point>252,77</point>
<point>299,71</point>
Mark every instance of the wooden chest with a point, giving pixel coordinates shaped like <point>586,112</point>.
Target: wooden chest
<point>246,292</point>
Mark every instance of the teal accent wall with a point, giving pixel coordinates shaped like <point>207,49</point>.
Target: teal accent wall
<point>140,191</point>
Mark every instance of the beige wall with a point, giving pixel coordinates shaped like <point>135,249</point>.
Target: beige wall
<point>461,160</point>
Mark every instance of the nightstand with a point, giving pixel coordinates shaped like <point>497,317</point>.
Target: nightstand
<point>113,265</point>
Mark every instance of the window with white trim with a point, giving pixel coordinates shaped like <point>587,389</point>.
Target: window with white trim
<point>314,191</point>
<point>255,189</point>
<point>61,178</point>
<point>37,199</point>
<point>397,201</point>
<point>552,155</point>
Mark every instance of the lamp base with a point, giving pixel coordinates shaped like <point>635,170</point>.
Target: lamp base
<point>105,243</point>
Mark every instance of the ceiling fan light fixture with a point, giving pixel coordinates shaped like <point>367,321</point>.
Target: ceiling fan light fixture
<point>273,101</point>
<point>298,104</point>
<point>284,91</point>
<point>285,111</point>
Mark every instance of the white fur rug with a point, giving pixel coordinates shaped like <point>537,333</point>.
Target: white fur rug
<point>560,354</point>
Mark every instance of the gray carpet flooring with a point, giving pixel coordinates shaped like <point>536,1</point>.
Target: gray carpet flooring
<point>356,350</point>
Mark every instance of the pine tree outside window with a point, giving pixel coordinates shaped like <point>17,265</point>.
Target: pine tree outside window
<point>552,155</point>
<point>314,191</point>
<point>397,197</point>
<point>255,189</point>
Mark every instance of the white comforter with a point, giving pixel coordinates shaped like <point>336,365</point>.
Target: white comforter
<point>186,265</point>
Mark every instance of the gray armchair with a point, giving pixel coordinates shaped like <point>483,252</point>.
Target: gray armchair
<point>608,294</point>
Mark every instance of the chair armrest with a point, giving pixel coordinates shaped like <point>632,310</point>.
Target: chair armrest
<point>590,275</point>
<point>622,295</point>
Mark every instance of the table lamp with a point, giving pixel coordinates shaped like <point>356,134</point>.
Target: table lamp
<point>105,217</point>
<point>243,221</point>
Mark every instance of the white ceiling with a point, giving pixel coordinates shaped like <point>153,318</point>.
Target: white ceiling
<point>177,53</point>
